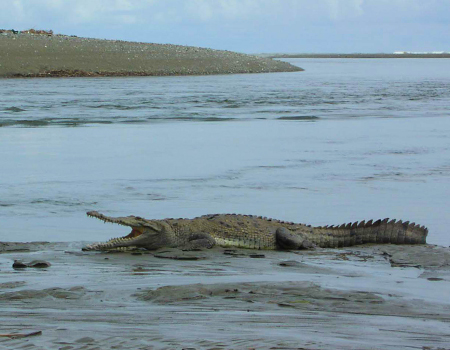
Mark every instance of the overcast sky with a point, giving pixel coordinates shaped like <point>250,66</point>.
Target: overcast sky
<point>250,26</point>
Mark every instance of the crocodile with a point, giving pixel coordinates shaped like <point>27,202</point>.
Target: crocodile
<point>254,232</point>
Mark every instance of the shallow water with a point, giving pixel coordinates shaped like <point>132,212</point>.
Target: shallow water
<point>345,140</point>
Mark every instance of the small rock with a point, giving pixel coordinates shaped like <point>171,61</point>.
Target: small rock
<point>19,264</point>
<point>40,264</point>
<point>285,305</point>
<point>233,253</point>
<point>85,340</point>
<point>290,263</point>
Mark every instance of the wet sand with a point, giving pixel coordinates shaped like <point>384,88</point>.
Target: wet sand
<point>373,297</point>
<point>28,55</point>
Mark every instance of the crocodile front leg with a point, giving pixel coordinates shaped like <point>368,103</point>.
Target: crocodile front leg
<point>288,240</point>
<point>199,241</point>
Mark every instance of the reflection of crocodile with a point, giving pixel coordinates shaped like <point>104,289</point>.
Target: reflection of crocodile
<point>255,232</point>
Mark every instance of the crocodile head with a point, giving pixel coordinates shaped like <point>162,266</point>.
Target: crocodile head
<point>149,234</point>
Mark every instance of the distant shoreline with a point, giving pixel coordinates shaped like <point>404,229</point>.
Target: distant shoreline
<point>356,55</point>
<point>37,55</point>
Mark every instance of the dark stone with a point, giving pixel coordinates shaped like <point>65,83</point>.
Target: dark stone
<point>40,264</point>
<point>290,263</point>
<point>85,340</point>
<point>19,264</point>
<point>35,263</point>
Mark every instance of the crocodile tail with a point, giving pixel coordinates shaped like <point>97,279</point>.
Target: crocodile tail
<point>380,231</point>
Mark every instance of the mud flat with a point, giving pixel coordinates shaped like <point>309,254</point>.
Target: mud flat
<point>376,297</point>
<point>29,55</point>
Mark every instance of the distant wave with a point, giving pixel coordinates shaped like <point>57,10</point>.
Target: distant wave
<point>300,117</point>
<point>14,109</point>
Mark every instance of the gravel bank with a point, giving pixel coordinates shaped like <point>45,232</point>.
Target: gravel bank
<point>28,55</point>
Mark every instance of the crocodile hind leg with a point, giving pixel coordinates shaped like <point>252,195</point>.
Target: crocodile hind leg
<point>288,240</point>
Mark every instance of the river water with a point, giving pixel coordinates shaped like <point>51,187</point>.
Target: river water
<point>345,140</point>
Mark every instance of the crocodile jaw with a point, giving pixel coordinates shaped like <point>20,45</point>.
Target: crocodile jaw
<point>125,243</point>
<point>148,234</point>
<point>115,244</point>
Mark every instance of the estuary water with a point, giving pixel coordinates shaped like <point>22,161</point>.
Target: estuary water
<point>345,140</point>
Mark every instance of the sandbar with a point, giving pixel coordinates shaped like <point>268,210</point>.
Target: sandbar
<point>34,55</point>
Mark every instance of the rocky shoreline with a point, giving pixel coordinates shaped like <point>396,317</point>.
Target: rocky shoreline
<point>34,55</point>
